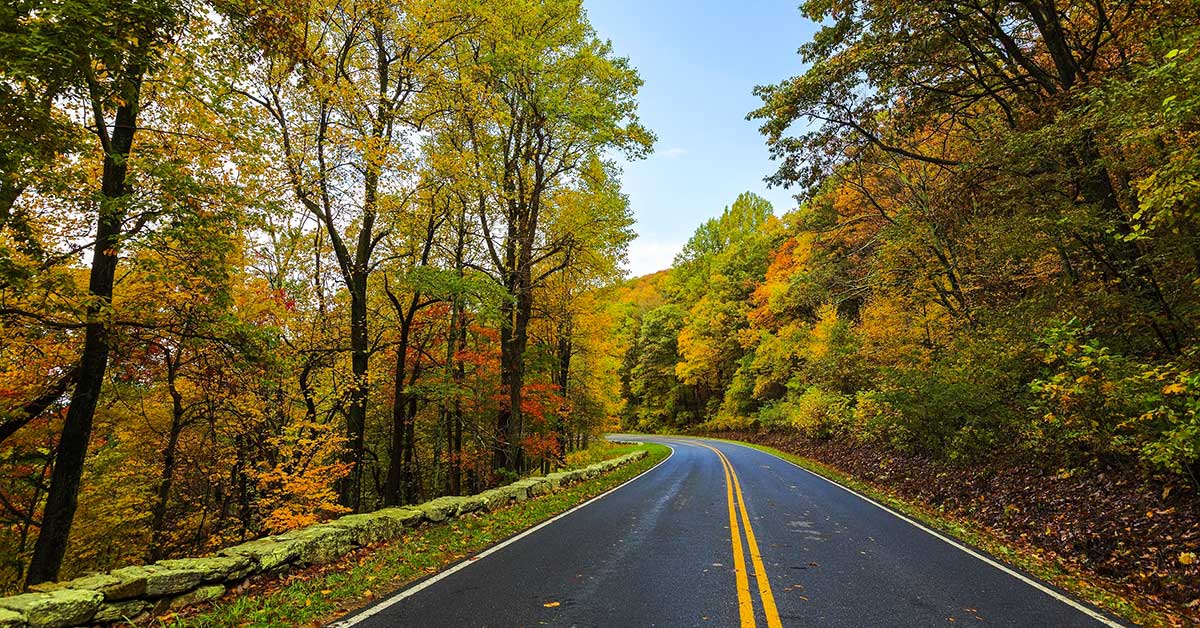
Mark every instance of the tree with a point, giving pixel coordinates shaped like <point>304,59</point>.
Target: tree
<point>343,105</point>
<point>933,83</point>
<point>106,74</point>
<point>243,176</point>
<point>556,98</point>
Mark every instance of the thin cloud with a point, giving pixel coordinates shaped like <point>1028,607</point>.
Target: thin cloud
<point>648,255</point>
<point>672,153</point>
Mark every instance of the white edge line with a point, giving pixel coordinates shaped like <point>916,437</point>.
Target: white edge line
<point>463,564</point>
<point>1094,614</point>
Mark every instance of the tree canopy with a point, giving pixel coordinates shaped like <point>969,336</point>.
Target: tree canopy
<point>261,263</point>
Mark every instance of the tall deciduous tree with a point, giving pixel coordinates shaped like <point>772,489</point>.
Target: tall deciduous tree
<point>106,75</point>
<point>345,104</point>
<point>556,97</point>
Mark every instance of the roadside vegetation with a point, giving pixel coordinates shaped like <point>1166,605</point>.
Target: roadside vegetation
<point>319,595</point>
<point>988,292</point>
<point>264,263</point>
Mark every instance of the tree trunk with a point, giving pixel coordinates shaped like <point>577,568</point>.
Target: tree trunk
<point>62,500</point>
<point>167,477</point>
<point>410,484</point>
<point>562,378</point>
<point>394,484</point>
<point>356,416</point>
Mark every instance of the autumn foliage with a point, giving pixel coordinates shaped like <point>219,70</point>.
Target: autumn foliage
<point>265,263</point>
<point>993,259</point>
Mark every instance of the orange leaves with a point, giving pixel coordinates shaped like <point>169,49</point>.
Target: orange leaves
<point>769,296</point>
<point>298,489</point>
<point>1174,388</point>
<point>539,400</point>
<point>541,445</point>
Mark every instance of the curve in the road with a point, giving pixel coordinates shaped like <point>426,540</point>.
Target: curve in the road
<point>1091,612</point>
<point>677,546</point>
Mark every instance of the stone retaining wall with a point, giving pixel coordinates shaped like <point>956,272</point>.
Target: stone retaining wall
<point>130,593</point>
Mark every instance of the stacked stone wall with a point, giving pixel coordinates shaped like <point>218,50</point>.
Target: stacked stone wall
<point>131,593</point>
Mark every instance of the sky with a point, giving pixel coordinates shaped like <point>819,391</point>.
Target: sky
<point>700,60</point>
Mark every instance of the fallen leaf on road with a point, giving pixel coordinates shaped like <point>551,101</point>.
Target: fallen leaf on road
<point>550,604</point>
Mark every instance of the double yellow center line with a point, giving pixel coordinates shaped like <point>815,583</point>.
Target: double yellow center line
<point>733,488</point>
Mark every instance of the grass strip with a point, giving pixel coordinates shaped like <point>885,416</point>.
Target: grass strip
<point>314,597</point>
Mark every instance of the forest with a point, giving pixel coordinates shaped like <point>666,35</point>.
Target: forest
<point>266,262</point>
<point>995,256</point>
<point>997,245</point>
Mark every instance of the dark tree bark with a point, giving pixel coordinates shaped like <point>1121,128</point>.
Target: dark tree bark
<point>403,405</point>
<point>564,350</point>
<point>393,488</point>
<point>34,408</point>
<point>158,512</point>
<point>62,500</point>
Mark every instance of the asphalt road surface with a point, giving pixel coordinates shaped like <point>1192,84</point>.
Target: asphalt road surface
<point>724,535</point>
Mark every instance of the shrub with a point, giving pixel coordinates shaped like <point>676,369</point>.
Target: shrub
<point>818,413</point>
<point>1096,402</point>
<point>877,421</point>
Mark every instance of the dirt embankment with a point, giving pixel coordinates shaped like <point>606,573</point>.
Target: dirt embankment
<point>1137,534</point>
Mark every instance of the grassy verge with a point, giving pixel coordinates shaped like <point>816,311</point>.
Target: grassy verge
<point>316,596</point>
<point>981,538</point>
<point>598,451</point>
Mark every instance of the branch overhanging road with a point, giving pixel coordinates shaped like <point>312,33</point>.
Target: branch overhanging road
<point>724,535</point>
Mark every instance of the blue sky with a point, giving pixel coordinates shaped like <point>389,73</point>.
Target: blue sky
<point>700,60</point>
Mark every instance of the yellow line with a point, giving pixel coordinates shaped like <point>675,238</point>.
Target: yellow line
<point>745,605</point>
<point>760,570</point>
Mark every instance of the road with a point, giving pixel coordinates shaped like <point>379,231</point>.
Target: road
<point>724,535</point>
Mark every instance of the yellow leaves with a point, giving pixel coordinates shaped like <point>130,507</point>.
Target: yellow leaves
<point>1174,388</point>
<point>296,495</point>
<point>551,604</point>
<point>820,340</point>
<point>1187,558</point>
